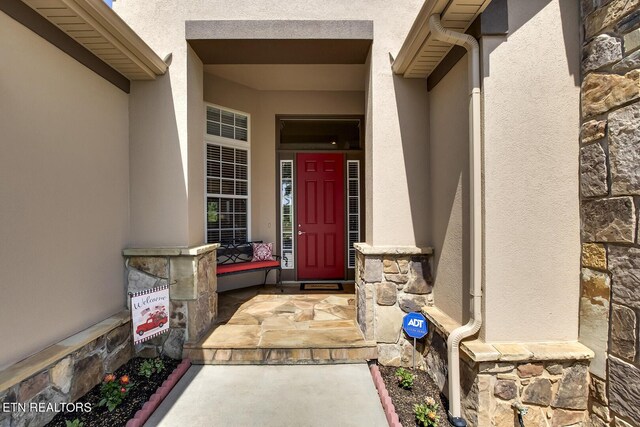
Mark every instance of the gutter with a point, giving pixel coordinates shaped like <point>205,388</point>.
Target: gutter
<point>475,165</point>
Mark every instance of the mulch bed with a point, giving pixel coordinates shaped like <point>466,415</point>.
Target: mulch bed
<point>139,394</point>
<point>403,400</point>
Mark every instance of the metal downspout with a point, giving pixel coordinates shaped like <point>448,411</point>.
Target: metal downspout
<point>473,326</point>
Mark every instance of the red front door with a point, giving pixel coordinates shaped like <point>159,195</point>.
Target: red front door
<point>320,200</point>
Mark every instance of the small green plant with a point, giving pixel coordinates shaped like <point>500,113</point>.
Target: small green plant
<point>405,378</point>
<point>427,413</point>
<point>150,367</point>
<point>113,392</point>
<point>75,423</point>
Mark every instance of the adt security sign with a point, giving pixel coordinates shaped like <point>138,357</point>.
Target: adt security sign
<point>415,325</point>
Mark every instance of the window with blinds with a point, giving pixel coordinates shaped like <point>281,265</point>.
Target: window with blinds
<point>227,124</point>
<point>227,177</point>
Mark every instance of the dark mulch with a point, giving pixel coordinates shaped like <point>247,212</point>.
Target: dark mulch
<point>403,400</point>
<point>139,394</point>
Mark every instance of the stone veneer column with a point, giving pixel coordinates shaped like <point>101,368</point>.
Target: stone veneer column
<point>191,276</point>
<point>609,188</point>
<point>390,282</point>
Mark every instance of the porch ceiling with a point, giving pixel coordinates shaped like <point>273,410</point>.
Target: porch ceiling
<point>100,30</point>
<point>280,42</point>
<point>420,53</point>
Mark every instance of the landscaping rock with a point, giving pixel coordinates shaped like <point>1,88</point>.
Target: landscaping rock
<point>609,220</point>
<point>603,50</point>
<point>386,293</point>
<point>62,374</point>
<point>602,92</point>
<point>594,255</point>
<point>624,388</point>
<point>32,386</point>
<point>624,149</point>
<point>538,392</point>
<point>624,264</point>
<point>593,171</point>
<point>592,130</point>
<point>608,15</point>
<point>505,390</point>
<point>410,303</point>
<point>573,389</point>
<point>87,373</point>
<point>623,332</point>
<point>530,370</point>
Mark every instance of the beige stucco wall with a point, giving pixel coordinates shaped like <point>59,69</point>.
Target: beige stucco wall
<point>531,211</point>
<point>64,181</point>
<point>263,107</point>
<point>396,162</point>
<point>449,189</point>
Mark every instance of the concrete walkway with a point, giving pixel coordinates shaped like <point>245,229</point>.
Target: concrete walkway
<point>250,395</point>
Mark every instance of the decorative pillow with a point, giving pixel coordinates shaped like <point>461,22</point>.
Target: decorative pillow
<point>262,252</point>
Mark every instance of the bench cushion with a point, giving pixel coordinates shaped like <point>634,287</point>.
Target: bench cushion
<point>246,266</point>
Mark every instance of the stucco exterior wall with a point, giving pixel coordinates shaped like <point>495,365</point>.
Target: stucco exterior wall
<point>64,182</point>
<point>531,210</point>
<point>263,107</point>
<point>397,161</point>
<point>449,190</point>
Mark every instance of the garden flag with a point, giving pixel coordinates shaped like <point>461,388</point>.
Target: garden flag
<point>149,313</point>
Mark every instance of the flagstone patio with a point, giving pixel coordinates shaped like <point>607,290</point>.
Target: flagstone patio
<point>265,325</point>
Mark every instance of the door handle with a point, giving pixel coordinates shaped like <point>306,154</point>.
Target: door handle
<point>300,232</point>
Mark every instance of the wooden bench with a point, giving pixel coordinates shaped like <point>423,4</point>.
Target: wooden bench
<point>236,258</point>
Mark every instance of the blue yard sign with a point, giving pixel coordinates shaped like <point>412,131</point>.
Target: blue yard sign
<point>415,325</point>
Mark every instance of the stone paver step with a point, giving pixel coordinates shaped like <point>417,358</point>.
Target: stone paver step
<point>280,356</point>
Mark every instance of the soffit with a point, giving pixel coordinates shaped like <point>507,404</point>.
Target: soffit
<point>280,41</point>
<point>101,31</point>
<point>420,53</point>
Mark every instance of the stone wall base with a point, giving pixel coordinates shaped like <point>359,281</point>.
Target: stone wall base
<point>64,372</point>
<point>191,276</point>
<point>555,392</point>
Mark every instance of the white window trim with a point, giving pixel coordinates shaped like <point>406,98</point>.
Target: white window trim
<point>293,231</point>
<point>230,143</point>
<point>357,183</point>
